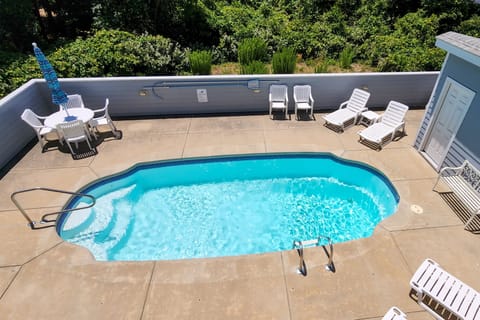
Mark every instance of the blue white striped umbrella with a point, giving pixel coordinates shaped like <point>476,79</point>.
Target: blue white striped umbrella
<point>58,95</point>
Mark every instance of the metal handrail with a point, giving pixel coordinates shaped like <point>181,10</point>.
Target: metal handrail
<point>32,223</point>
<point>300,245</point>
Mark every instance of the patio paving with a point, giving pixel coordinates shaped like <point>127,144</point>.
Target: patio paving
<point>43,277</point>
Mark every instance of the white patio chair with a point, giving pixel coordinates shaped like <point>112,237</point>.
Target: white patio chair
<point>278,98</point>
<point>387,126</point>
<point>102,118</point>
<point>74,101</point>
<point>35,121</point>
<point>394,313</point>
<point>302,95</point>
<point>349,112</point>
<point>74,132</point>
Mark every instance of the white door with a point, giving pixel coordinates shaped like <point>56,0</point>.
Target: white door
<point>451,108</point>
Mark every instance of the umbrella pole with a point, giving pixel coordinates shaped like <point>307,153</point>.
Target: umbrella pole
<point>64,106</point>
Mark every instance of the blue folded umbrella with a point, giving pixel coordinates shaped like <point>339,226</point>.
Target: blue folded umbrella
<point>59,97</point>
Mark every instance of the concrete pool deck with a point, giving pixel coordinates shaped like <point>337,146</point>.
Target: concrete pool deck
<point>42,277</point>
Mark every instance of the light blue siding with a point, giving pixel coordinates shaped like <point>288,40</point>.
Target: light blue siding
<point>465,144</point>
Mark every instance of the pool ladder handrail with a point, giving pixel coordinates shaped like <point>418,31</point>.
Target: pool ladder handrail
<point>32,223</point>
<point>300,245</point>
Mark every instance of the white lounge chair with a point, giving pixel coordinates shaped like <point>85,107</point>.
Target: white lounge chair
<point>102,118</point>
<point>74,132</point>
<point>387,126</point>
<point>436,287</point>
<point>349,112</point>
<point>302,95</point>
<point>394,314</point>
<point>278,99</point>
<point>35,121</point>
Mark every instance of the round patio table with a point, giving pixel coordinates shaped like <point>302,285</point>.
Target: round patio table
<point>61,116</point>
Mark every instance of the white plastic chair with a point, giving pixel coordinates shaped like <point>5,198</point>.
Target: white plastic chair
<point>302,95</point>
<point>35,122</point>
<point>394,313</point>
<point>387,126</point>
<point>278,98</point>
<point>102,118</point>
<point>74,101</point>
<point>74,132</point>
<point>349,112</point>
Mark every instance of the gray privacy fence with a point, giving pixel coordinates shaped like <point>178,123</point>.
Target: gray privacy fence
<point>195,95</point>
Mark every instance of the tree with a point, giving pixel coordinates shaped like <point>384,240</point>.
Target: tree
<point>18,25</point>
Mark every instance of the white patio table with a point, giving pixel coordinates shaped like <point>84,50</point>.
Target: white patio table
<point>83,114</point>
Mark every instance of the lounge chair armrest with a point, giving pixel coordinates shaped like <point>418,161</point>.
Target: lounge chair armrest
<point>311,100</point>
<point>343,104</point>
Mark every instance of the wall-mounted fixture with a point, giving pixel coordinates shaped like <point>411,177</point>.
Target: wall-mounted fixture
<point>143,92</point>
<point>254,85</point>
<point>364,87</point>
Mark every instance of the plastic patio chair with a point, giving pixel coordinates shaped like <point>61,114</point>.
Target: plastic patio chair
<point>349,111</point>
<point>387,126</point>
<point>102,118</point>
<point>74,132</point>
<point>74,101</point>
<point>35,121</point>
<point>278,98</point>
<point>302,95</point>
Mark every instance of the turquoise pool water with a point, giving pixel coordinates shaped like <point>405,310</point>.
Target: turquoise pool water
<point>225,206</point>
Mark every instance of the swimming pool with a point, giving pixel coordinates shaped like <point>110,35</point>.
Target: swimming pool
<point>229,205</point>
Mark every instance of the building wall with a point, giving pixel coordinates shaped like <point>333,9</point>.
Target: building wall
<point>465,144</point>
<point>178,96</point>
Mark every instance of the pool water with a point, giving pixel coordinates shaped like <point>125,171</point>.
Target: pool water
<point>226,206</point>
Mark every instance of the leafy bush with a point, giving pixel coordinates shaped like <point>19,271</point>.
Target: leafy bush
<point>470,27</point>
<point>118,53</point>
<point>284,61</point>
<point>201,62</point>
<point>410,47</point>
<point>254,67</point>
<point>107,53</point>
<point>252,49</point>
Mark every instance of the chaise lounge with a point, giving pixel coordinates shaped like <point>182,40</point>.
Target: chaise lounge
<point>436,288</point>
<point>349,112</point>
<point>387,126</point>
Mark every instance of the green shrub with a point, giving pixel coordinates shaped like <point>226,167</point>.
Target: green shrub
<point>200,62</point>
<point>284,61</point>
<point>106,53</point>
<point>254,67</point>
<point>252,49</point>
<point>346,57</point>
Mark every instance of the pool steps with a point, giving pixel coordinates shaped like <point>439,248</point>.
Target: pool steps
<point>108,229</point>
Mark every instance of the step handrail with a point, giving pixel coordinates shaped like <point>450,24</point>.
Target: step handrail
<point>32,223</point>
<point>300,245</point>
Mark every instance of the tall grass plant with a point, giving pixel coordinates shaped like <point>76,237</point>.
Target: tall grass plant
<point>284,62</point>
<point>200,62</point>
